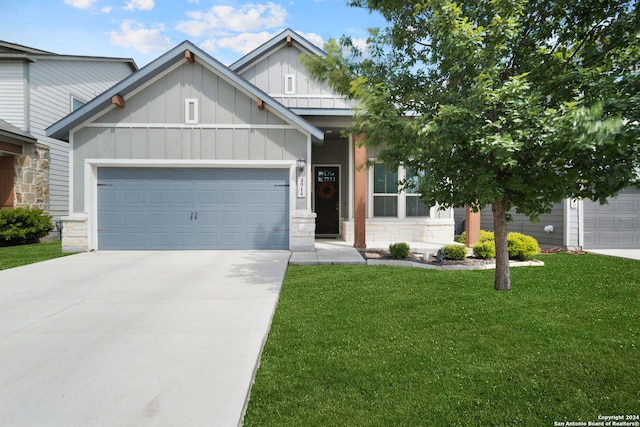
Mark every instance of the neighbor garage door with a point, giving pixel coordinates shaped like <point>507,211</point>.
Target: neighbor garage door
<point>179,208</point>
<point>614,225</point>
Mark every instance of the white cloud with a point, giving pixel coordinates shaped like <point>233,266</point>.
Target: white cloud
<point>314,38</point>
<point>106,9</point>
<point>241,43</point>
<point>139,5</point>
<point>80,4</point>
<point>250,17</point>
<point>136,36</point>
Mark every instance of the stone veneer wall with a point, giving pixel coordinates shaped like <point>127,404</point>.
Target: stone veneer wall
<point>31,183</point>
<point>431,230</point>
<point>75,233</point>
<point>303,231</point>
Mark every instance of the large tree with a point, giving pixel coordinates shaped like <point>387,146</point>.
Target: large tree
<point>513,103</point>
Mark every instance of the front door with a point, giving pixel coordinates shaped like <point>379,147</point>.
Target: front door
<point>327,200</point>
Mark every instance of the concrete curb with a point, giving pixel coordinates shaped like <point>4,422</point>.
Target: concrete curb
<point>413,264</point>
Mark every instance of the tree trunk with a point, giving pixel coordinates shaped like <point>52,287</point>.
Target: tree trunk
<point>503,277</point>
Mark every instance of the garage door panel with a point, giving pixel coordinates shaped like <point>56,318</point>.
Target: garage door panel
<point>157,197</point>
<point>159,208</point>
<point>158,218</point>
<point>614,225</point>
<point>133,218</point>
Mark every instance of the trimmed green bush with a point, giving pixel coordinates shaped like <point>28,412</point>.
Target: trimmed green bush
<point>399,250</point>
<point>522,246</point>
<point>23,225</point>
<point>485,250</point>
<point>484,236</point>
<point>455,252</point>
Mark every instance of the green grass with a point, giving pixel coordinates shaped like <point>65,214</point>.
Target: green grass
<point>14,256</point>
<point>389,346</point>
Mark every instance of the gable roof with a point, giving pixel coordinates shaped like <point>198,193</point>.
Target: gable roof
<point>61,129</point>
<point>13,51</point>
<point>276,42</point>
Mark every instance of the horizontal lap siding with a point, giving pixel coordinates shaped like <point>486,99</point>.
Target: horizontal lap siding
<point>52,84</point>
<point>522,224</point>
<point>12,90</point>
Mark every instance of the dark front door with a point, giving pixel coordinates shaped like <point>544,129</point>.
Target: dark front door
<point>327,199</point>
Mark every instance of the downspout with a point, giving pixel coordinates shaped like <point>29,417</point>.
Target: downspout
<point>580,207</point>
<point>567,223</point>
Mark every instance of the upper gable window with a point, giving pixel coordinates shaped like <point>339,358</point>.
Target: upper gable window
<point>289,84</point>
<point>191,111</point>
<point>75,103</point>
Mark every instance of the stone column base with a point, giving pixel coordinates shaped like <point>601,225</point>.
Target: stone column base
<point>75,233</point>
<point>303,231</point>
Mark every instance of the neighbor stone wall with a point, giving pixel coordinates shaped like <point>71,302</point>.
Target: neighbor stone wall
<point>31,184</point>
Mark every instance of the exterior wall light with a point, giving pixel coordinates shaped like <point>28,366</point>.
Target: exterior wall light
<point>300,163</point>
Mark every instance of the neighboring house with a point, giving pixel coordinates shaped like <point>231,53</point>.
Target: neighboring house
<point>38,88</point>
<point>188,153</point>
<point>579,224</point>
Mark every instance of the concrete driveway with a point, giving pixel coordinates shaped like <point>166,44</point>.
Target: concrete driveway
<point>134,338</point>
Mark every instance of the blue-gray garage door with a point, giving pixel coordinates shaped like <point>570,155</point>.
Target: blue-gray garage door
<point>180,208</point>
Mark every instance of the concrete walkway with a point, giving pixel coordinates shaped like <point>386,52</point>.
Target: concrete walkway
<point>333,251</point>
<point>135,338</point>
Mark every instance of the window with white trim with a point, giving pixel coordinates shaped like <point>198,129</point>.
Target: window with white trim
<point>385,191</point>
<point>413,205</point>
<point>389,201</point>
<point>191,111</point>
<point>289,84</point>
<point>75,103</point>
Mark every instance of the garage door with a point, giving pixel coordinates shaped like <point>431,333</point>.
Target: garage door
<point>614,225</point>
<point>179,208</point>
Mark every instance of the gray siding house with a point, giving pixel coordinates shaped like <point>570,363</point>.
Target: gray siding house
<point>579,224</point>
<point>38,88</point>
<point>190,154</point>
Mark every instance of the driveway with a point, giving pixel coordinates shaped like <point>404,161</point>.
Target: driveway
<point>134,338</point>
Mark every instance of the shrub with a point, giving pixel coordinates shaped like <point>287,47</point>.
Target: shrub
<point>455,252</point>
<point>484,250</point>
<point>522,246</point>
<point>399,250</point>
<point>23,225</point>
<point>484,236</point>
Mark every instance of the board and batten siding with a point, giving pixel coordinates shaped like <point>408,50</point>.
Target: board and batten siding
<point>13,107</point>
<point>152,127</point>
<point>52,83</point>
<point>269,75</point>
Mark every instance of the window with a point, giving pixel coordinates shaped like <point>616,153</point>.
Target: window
<point>414,206</point>
<point>76,103</point>
<point>388,201</point>
<point>289,84</point>
<point>191,111</point>
<point>385,191</point>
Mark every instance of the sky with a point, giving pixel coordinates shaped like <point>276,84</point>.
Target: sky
<point>145,29</point>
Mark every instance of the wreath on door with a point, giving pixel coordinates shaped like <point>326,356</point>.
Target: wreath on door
<point>326,190</point>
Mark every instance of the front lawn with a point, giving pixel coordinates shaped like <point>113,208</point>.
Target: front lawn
<point>393,346</point>
<point>14,256</point>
